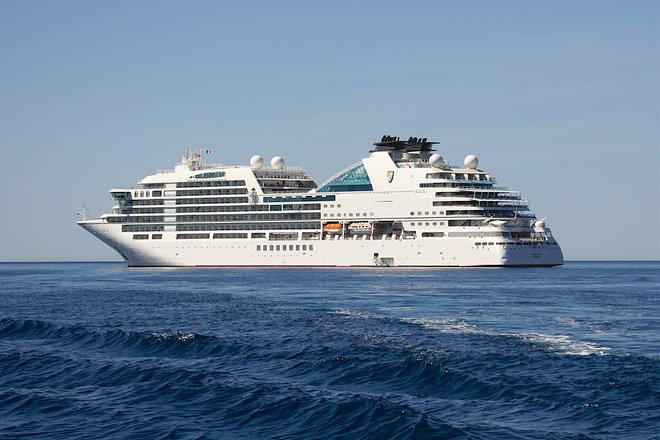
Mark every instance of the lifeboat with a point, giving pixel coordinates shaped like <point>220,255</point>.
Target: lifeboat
<point>333,228</point>
<point>360,228</point>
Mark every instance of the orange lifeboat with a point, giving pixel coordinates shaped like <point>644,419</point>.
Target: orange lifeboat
<point>333,228</point>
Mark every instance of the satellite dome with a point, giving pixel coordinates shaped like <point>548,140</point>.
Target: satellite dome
<point>436,161</point>
<point>471,161</point>
<point>256,161</point>
<point>277,163</point>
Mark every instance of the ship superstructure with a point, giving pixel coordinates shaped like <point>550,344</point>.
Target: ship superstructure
<point>402,206</point>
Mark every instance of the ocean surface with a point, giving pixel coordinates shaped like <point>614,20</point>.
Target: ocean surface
<point>99,350</point>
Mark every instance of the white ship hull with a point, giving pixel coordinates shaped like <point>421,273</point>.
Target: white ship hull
<point>402,207</point>
<point>357,252</point>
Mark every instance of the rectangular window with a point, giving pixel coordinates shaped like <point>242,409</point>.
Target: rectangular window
<point>192,236</point>
<point>258,247</point>
<point>297,247</point>
<point>311,247</point>
<point>156,236</point>
<point>304,247</point>
<point>140,236</point>
<point>277,248</point>
<point>271,247</point>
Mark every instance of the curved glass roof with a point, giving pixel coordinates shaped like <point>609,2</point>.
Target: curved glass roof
<point>353,179</point>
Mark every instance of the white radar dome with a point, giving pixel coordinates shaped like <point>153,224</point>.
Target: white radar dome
<point>277,163</point>
<point>471,161</point>
<point>436,161</point>
<point>539,224</point>
<point>256,161</point>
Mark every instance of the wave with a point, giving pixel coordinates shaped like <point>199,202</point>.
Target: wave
<point>561,344</point>
<point>350,381</point>
<point>174,344</point>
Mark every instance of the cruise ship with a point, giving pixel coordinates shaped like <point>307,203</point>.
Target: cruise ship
<point>402,206</point>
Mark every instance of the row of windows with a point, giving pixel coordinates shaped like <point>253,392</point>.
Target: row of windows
<point>209,175</point>
<point>489,213</point>
<point>218,218</point>
<point>298,184</point>
<point>139,194</point>
<point>457,176</point>
<point>141,210</point>
<point>428,213</point>
<point>248,226</point>
<point>357,214</point>
<point>479,234</point>
<point>211,192</point>
<point>247,208</point>
<point>210,183</point>
<point>216,200</point>
<point>481,203</point>
<point>427,224</point>
<point>241,208</point>
<point>230,235</point>
<point>510,243</point>
<point>277,247</point>
<point>301,207</point>
<point>249,217</point>
<point>142,228</point>
<point>192,236</point>
<point>147,202</point>
<point>329,198</point>
<point>433,234</point>
<point>480,194</point>
<point>146,236</point>
<point>466,222</point>
<point>131,219</point>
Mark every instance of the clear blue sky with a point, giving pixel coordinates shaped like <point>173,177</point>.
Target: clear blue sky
<point>559,99</point>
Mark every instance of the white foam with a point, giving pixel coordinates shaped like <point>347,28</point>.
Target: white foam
<point>351,313</point>
<point>557,343</point>
<point>565,345</point>
<point>183,337</point>
<point>448,325</point>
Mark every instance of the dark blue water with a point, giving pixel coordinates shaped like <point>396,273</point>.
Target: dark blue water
<point>103,351</point>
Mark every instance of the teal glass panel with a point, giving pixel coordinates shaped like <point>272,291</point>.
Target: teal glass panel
<point>355,179</point>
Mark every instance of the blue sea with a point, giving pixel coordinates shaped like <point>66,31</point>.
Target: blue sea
<point>102,351</point>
